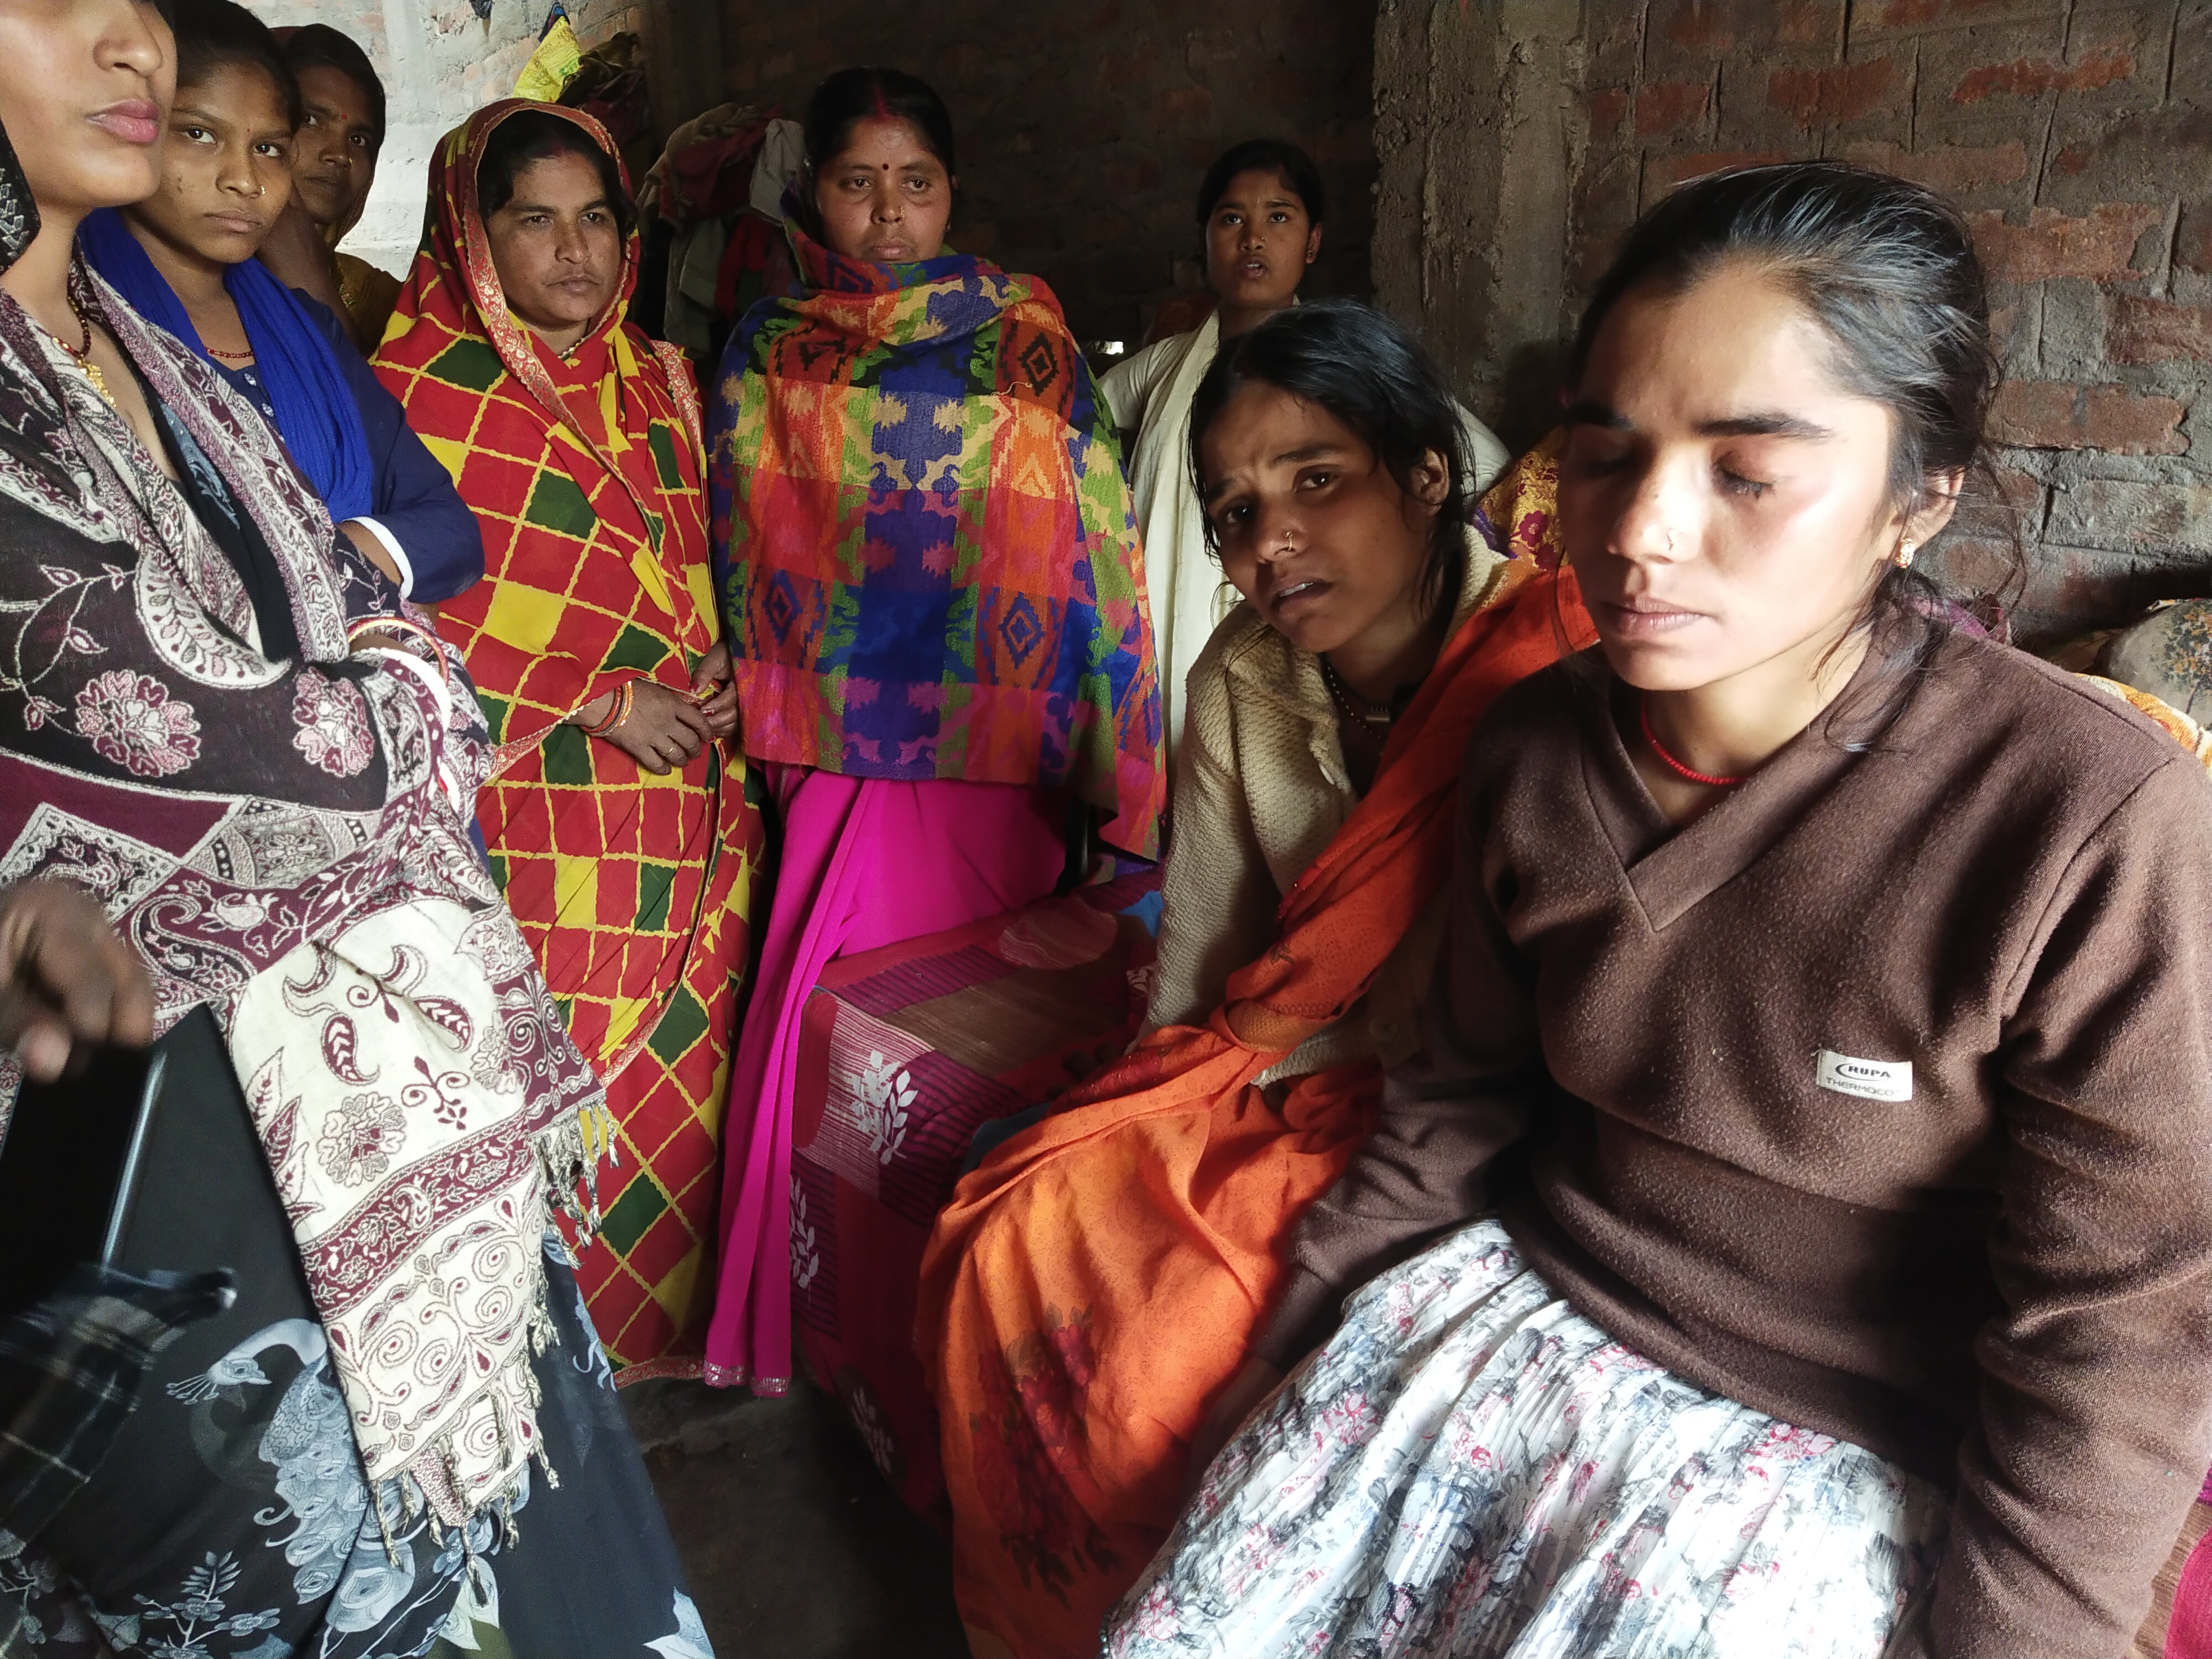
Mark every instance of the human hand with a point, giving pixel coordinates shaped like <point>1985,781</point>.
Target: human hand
<point>663,730</point>
<point>65,979</point>
<point>1254,1381</point>
<point>716,692</point>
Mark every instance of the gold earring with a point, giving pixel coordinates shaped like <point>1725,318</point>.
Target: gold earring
<point>1905,556</point>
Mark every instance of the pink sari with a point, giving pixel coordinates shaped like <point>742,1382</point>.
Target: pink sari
<point>865,862</point>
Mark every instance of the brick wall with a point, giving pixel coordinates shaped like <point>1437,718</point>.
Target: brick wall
<point>2078,138</point>
<point>439,62</point>
<point>1084,126</point>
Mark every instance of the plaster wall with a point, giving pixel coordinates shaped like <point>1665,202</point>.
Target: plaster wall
<point>440,62</point>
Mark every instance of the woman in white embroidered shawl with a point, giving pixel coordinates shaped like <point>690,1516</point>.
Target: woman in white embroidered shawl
<point>216,718</point>
<point>1262,204</point>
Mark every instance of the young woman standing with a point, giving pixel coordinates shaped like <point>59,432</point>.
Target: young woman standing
<point>184,258</point>
<point>1262,209</point>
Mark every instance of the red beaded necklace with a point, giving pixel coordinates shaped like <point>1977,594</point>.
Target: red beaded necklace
<point>1644,719</point>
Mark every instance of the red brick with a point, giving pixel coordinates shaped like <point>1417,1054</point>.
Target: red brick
<point>1976,564</point>
<point>1668,106</point>
<point>1604,206</point>
<point>2057,415</point>
<point>1946,167</point>
<point>2099,244</point>
<point>1665,171</point>
<point>1819,97</point>
<point>1608,107</point>
<point>2037,415</point>
<point>2103,162</point>
<point>2145,330</point>
<point>2031,78</point>
<point>2124,423</point>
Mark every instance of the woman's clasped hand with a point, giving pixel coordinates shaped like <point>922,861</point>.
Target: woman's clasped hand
<point>662,728</point>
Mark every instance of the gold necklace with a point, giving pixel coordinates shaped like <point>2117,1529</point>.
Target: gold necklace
<point>82,355</point>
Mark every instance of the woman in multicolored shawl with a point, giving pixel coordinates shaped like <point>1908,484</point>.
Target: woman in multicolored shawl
<point>617,821</point>
<point>937,614</point>
<point>216,718</point>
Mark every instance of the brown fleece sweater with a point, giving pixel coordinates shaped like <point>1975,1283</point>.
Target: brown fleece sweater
<point>1878,1098</point>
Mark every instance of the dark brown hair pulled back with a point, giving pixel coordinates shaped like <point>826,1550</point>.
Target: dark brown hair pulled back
<point>1888,271</point>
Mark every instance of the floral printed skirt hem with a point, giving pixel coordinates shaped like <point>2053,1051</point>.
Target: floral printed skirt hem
<point>1470,1468</point>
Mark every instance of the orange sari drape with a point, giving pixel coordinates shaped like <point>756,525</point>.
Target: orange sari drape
<point>1095,1283</point>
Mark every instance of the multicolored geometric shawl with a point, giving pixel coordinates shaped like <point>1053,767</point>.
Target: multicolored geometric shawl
<point>284,839</point>
<point>932,569</point>
<point>633,890</point>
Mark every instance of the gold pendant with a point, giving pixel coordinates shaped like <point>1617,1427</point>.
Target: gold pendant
<point>98,381</point>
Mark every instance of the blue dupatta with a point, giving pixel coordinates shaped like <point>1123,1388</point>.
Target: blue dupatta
<point>316,415</point>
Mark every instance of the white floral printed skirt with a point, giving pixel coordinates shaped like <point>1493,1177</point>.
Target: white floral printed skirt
<point>1470,1468</point>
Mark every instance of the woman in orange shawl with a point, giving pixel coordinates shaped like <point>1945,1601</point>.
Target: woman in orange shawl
<point>1089,1294</point>
<point>616,818</point>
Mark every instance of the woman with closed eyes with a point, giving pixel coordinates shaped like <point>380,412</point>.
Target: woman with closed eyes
<point>1794,1231</point>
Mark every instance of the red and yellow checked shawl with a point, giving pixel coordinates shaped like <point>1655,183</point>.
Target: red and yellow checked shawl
<point>632,891</point>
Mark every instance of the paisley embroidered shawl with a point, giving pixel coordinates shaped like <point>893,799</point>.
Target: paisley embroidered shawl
<point>634,889</point>
<point>280,838</point>
<point>932,566</point>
